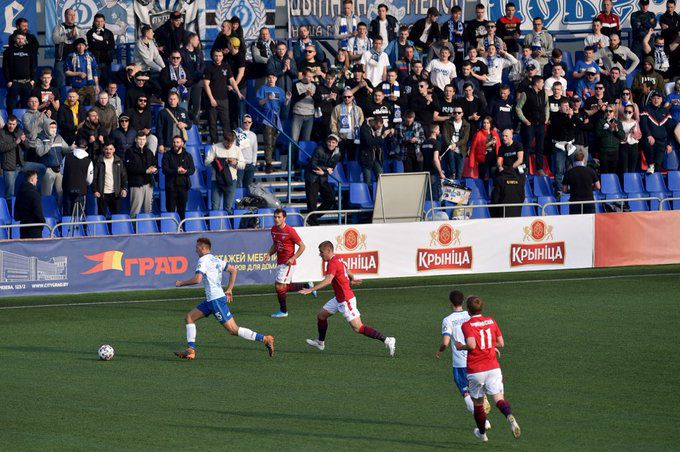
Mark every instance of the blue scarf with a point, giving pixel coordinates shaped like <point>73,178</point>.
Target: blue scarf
<point>453,37</point>
<point>345,126</point>
<point>343,29</point>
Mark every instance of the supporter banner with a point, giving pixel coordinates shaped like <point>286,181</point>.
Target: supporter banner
<point>119,16</point>
<point>573,16</point>
<point>12,10</point>
<point>453,247</point>
<point>254,15</point>
<point>106,264</point>
<point>320,14</point>
<point>640,238</point>
<point>157,12</point>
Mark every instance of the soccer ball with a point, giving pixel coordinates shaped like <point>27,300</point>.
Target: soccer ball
<point>106,352</point>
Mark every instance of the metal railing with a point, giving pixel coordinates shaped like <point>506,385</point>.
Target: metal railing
<point>341,213</point>
<point>478,206</point>
<point>621,201</point>
<point>668,200</point>
<point>121,220</point>
<point>227,217</point>
<point>9,228</point>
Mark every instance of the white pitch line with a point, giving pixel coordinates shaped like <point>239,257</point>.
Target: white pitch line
<point>366,289</point>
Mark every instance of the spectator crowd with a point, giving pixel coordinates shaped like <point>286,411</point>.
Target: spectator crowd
<point>483,99</point>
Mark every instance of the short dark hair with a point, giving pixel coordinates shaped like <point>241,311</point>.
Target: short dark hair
<point>403,28</point>
<point>281,211</point>
<point>72,90</point>
<point>586,48</point>
<point>46,71</point>
<point>509,5</point>
<point>19,21</point>
<point>204,241</point>
<point>382,5</point>
<point>557,84</point>
<point>475,304</point>
<point>347,1</point>
<point>535,79</point>
<point>480,6</point>
<point>30,173</point>
<point>410,114</point>
<point>362,24</point>
<point>456,297</point>
<point>12,118</point>
<point>456,9</point>
<point>178,136</point>
<point>98,16</point>
<point>556,53</point>
<point>504,87</point>
<point>326,245</point>
<point>140,133</point>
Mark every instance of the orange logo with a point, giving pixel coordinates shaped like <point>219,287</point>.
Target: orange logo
<point>358,262</point>
<point>451,258</point>
<point>543,252</point>
<point>139,266</point>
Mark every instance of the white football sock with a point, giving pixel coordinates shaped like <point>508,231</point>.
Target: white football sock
<point>468,403</point>
<point>191,332</point>
<point>245,333</point>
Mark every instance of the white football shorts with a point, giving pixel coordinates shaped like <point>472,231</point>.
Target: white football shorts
<point>284,273</point>
<point>489,382</point>
<point>348,308</point>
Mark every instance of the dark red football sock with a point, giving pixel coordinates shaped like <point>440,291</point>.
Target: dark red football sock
<point>371,332</point>
<point>480,418</point>
<point>323,326</point>
<point>294,287</point>
<point>281,295</point>
<point>504,407</point>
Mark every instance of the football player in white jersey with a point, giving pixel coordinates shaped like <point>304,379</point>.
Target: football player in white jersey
<point>209,272</point>
<point>452,333</point>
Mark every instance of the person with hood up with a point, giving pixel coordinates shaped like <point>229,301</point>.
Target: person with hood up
<point>124,136</point>
<point>78,172</point>
<point>647,74</point>
<point>51,149</point>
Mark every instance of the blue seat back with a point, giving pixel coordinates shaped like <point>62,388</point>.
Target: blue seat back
<point>632,183</point>
<point>71,230</point>
<point>197,225</point>
<point>354,172</point>
<point>305,152</point>
<point>610,184</point>
<point>51,221</point>
<point>338,175</point>
<point>564,208</point>
<point>480,212</point>
<point>5,216</point>
<point>167,225</point>
<point>195,201</point>
<point>293,219</point>
<point>218,224</point>
<point>543,186</point>
<point>477,187</point>
<point>49,206</point>
<point>195,152</point>
<point>147,227</point>
<point>194,139</point>
<point>655,184</point>
<point>95,229</point>
<point>121,228</point>
<point>550,210</point>
<point>674,180</point>
<point>360,195</point>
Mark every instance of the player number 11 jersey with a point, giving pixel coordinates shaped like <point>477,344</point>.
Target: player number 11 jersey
<point>485,331</point>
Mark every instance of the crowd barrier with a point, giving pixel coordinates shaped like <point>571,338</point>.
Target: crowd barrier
<point>156,261</point>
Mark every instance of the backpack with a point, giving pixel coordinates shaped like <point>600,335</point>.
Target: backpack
<point>250,222</point>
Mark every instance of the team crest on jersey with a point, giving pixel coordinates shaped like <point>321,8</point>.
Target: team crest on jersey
<point>544,251</point>
<point>357,259</point>
<point>445,255</point>
<point>252,13</point>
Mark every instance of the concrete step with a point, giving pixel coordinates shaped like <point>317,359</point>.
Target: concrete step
<point>283,185</point>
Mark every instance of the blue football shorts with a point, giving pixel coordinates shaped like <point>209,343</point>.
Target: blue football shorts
<point>460,377</point>
<point>217,307</point>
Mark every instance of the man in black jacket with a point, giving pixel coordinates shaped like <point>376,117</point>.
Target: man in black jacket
<point>321,166</point>
<point>78,173</point>
<point>13,144</point>
<point>69,116</point>
<point>171,35</point>
<point>19,70</point>
<point>28,207</point>
<point>385,25</point>
<point>172,121</point>
<point>373,135</point>
<point>110,181</point>
<point>425,31</point>
<point>562,131</point>
<point>142,121</point>
<point>178,165</point>
<point>102,45</point>
<point>533,110</point>
<point>141,165</point>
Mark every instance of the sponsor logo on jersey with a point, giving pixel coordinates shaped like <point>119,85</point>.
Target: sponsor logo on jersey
<point>137,266</point>
<point>355,256</point>
<point>449,256</point>
<point>544,251</point>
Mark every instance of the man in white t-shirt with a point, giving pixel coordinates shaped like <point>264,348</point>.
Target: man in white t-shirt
<point>441,71</point>
<point>557,76</point>
<point>597,41</point>
<point>452,333</point>
<point>209,272</point>
<point>375,63</point>
<point>359,44</point>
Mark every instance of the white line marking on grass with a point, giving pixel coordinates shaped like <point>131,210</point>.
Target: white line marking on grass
<point>365,289</point>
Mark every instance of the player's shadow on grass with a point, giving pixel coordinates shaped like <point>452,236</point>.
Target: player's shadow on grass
<point>323,435</point>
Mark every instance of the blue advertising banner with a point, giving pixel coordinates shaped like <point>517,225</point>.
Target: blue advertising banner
<point>14,9</point>
<point>105,264</point>
<point>320,15</point>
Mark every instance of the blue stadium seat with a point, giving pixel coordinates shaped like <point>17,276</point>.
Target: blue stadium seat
<point>630,76</point>
<point>354,172</point>
<point>543,186</point>
<point>198,182</point>
<point>199,162</point>
<point>194,138</point>
<point>528,191</point>
<point>19,113</point>
<point>670,161</point>
<point>218,224</point>
<point>427,206</point>
<point>96,229</point>
<point>51,221</point>
<point>657,188</point>
<point>564,208</point>
<point>338,176</point>
<point>5,216</point>
<point>63,91</point>
<point>480,212</point>
<point>293,219</point>
<point>195,201</point>
<point>168,225</point>
<point>49,206</point>
<point>598,196</point>
<point>147,227</point>
<point>71,230</point>
<point>305,152</point>
<point>638,205</point>
<point>360,196</point>
<point>477,187</point>
<point>15,231</point>
<point>91,207</point>
<point>267,221</point>
<point>121,228</point>
<point>632,183</point>
<point>528,211</point>
<point>568,60</point>
<point>5,232</point>
<point>195,225</point>
<point>611,188</point>
<point>549,210</point>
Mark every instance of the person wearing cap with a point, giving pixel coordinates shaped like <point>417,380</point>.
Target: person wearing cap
<point>346,25</point>
<point>82,67</point>
<point>586,86</point>
<point>533,111</point>
<point>142,121</point>
<point>146,54</point>
<point>658,132</point>
<point>124,136</point>
<point>530,71</point>
<point>64,35</point>
<point>18,68</point>
<point>274,103</point>
<point>102,44</point>
<point>171,35</point>
<point>362,88</point>
<point>597,40</point>
<point>611,23</point>
<point>641,22</point>
<point>587,62</point>
<point>475,29</point>
<point>647,74</point>
<point>426,30</point>
<point>346,121</point>
<point>247,141</point>
<point>540,40</point>
<point>320,167</point>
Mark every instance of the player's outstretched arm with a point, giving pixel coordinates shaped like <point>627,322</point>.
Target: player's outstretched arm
<point>197,279</point>
<point>318,286</point>
<point>232,280</point>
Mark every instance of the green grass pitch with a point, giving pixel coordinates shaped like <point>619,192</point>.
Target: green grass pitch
<point>590,364</point>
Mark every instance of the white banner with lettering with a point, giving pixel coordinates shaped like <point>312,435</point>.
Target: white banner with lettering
<point>453,247</point>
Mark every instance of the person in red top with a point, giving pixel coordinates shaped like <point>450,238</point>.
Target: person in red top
<point>610,21</point>
<point>344,301</point>
<point>284,240</point>
<point>483,338</point>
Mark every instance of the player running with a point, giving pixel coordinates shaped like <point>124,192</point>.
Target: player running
<point>284,238</point>
<point>482,340</point>
<point>344,301</point>
<point>209,272</point>
<point>451,331</point>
